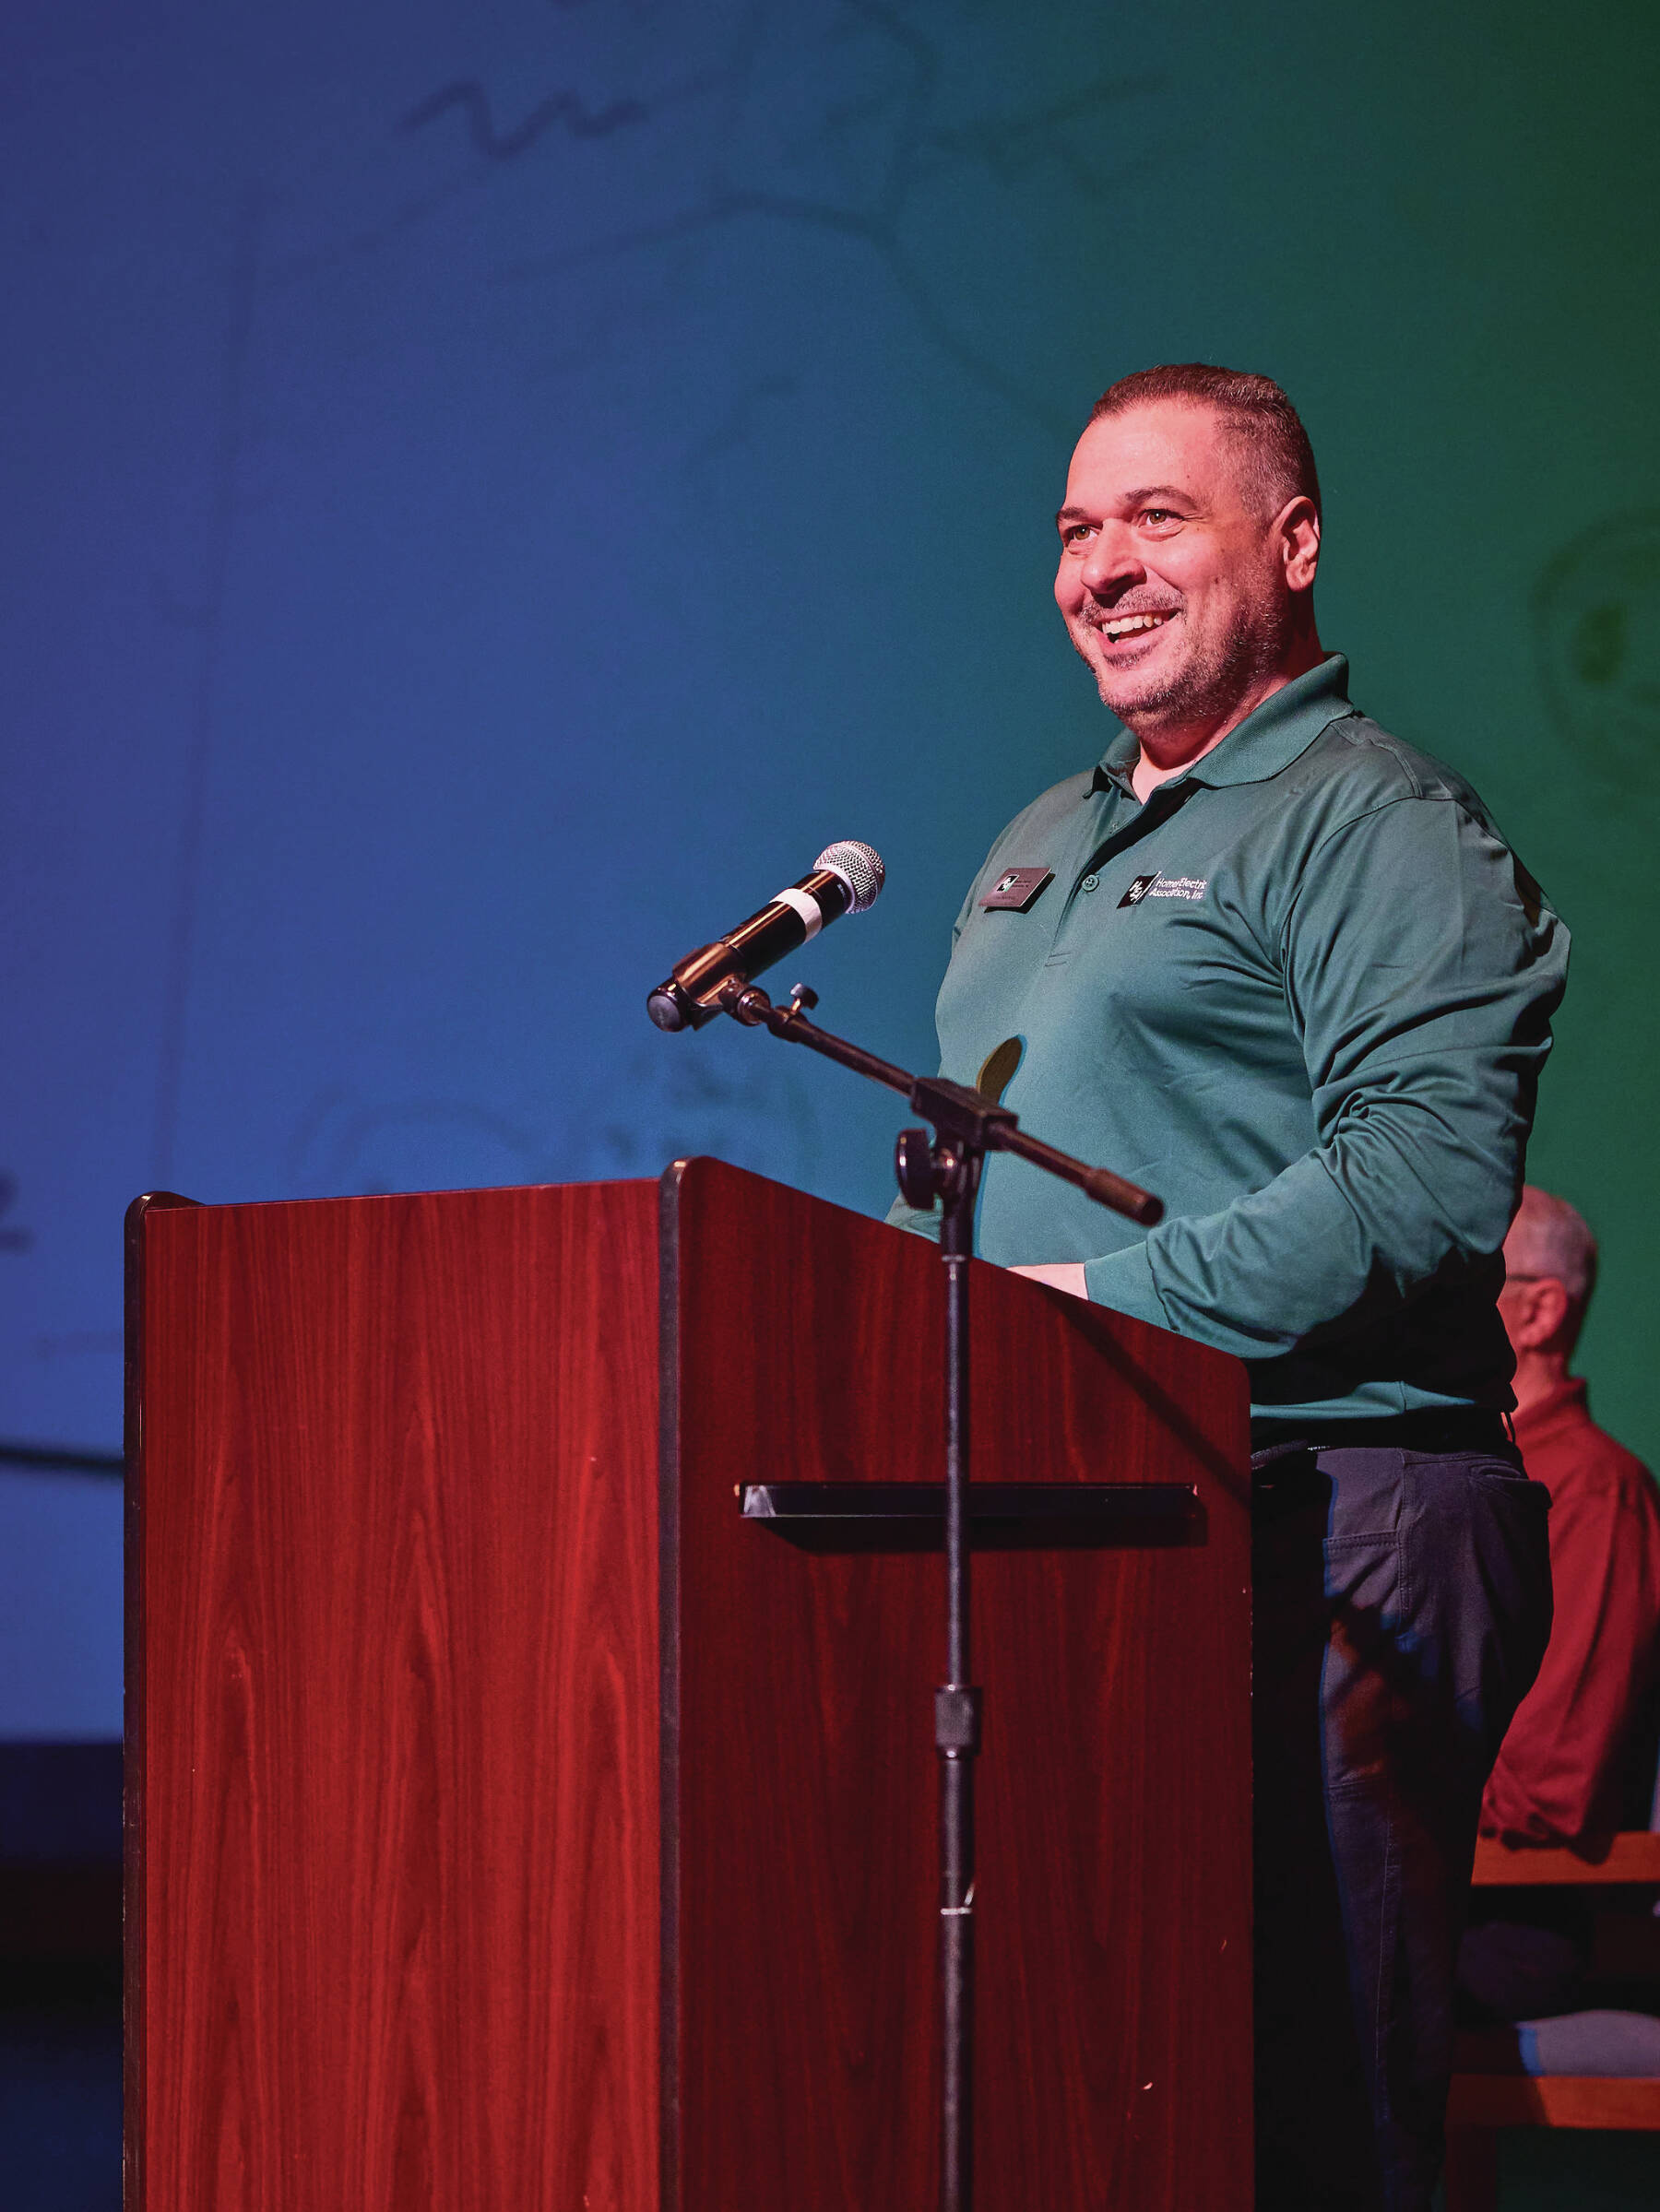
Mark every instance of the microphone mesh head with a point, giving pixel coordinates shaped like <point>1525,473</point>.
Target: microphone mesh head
<point>859,868</point>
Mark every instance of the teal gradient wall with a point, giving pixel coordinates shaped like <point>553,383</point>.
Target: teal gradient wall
<point>490,490</point>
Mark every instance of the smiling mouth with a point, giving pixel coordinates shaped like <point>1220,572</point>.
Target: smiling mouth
<point>1119,626</point>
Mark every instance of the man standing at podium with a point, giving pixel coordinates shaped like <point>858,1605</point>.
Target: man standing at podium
<point>1281,969</point>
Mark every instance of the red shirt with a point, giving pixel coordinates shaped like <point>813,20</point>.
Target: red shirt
<point>1559,1774</point>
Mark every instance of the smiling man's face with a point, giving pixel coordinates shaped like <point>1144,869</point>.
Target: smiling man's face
<point>1178,587</point>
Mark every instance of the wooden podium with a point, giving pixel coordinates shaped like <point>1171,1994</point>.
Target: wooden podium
<point>518,1823</point>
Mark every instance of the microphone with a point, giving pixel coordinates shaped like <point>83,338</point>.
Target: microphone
<point>845,878</point>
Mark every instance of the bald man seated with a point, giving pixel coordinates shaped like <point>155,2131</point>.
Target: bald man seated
<point>1578,1761</point>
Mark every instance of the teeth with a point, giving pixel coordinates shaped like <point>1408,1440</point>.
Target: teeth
<point>1127,624</point>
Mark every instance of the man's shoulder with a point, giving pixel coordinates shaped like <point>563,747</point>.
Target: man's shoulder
<point>1359,766</point>
<point>1584,1459</point>
<point>1621,1470</point>
<point>1026,842</point>
<point>1047,809</point>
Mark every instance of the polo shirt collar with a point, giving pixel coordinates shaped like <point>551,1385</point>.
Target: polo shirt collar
<point>1564,1406</point>
<point>1268,741</point>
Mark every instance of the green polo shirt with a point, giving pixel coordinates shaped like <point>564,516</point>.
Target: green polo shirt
<point>1303,993</point>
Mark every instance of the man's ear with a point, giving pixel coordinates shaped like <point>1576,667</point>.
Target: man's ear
<point>1296,528</point>
<point>1545,1310</point>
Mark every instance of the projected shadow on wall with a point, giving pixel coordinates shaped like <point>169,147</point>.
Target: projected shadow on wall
<point>1597,623</point>
<point>866,143</point>
<point>760,1116</point>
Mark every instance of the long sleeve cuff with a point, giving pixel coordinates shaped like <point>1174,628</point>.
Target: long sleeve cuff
<point>1124,1280</point>
<point>901,1216</point>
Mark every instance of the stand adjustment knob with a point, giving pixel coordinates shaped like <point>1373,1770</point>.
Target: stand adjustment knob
<point>914,1166</point>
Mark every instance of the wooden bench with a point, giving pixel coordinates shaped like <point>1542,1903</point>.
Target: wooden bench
<point>1483,2103</point>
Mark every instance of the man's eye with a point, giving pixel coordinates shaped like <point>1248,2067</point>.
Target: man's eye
<point>1076,532</point>
<point>1157,514</point>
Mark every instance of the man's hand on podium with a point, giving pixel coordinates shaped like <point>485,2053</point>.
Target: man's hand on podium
<point>1061,1274</point>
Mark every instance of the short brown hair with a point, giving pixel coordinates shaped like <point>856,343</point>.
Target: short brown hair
<point>1282,460</point>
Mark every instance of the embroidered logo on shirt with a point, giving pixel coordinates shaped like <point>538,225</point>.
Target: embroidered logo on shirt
<point>1165,887</point>
<point>1017,888</point>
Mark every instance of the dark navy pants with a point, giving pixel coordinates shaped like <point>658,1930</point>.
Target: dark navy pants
<point>1402,1604</point>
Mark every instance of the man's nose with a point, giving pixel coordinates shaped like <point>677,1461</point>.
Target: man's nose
<point>1112,562</point>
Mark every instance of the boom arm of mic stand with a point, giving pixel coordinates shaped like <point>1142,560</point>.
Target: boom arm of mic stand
<point>966,1115</point>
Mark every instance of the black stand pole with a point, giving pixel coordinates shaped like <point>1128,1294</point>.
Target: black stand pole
<point>968,1125</point>
<point>957,1711</point>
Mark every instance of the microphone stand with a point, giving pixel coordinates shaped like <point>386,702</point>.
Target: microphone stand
<point>968,1125</point>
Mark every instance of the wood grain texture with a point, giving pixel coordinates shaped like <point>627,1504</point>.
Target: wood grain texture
<point>1631,1856</point>
<point>394,1934</point>
<point>1114,1913</point>
<point>392,1903</point>
<point>1487,2100</point>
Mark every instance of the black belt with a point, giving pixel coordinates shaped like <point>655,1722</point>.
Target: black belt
<point>1457,1429</point>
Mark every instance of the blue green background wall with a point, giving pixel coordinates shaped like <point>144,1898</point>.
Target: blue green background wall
<point>491,489</point>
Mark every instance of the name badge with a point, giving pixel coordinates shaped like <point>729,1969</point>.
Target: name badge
<point>1017,889</point>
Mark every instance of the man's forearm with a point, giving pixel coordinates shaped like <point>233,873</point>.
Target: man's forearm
<point>1304,1253</point>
